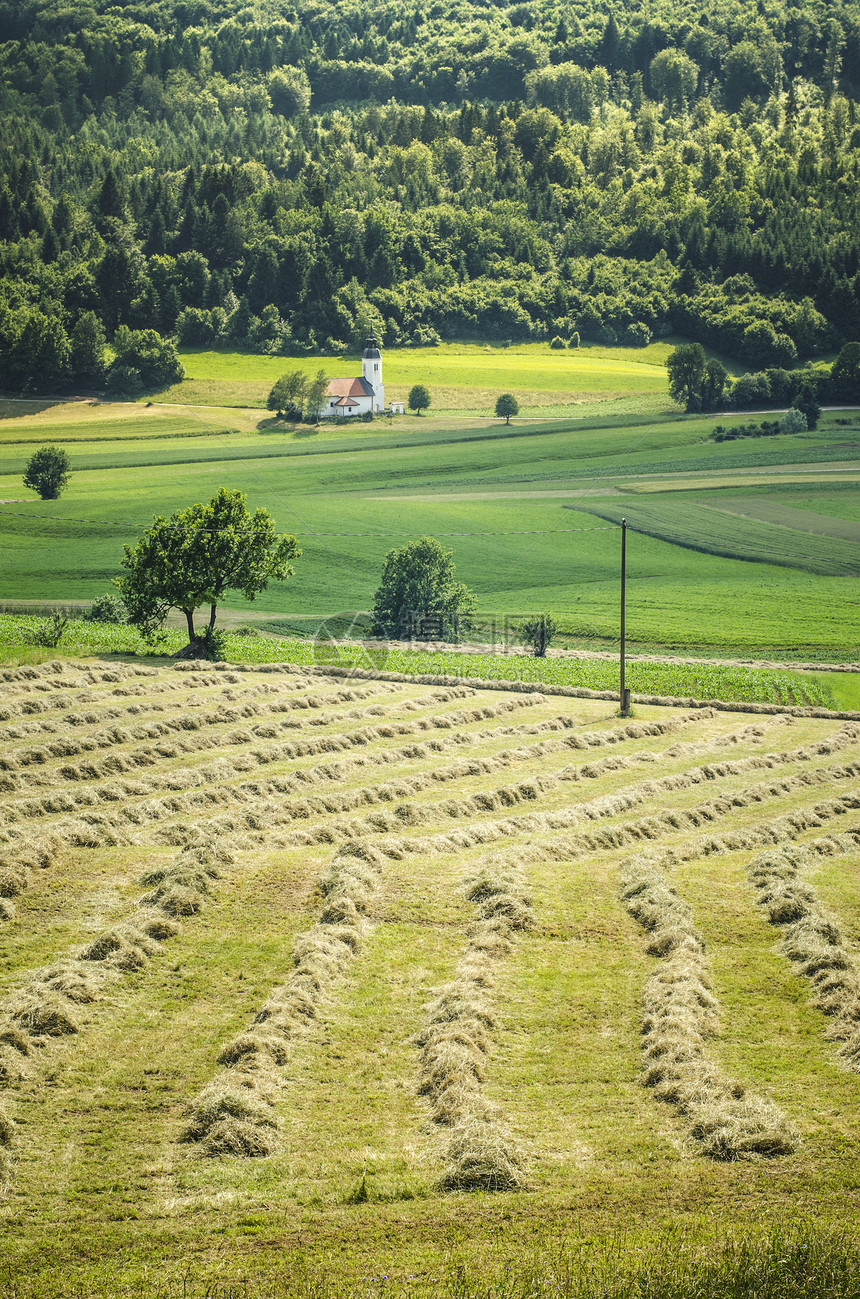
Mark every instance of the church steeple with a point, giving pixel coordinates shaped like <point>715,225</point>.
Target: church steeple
<point>371,371</point>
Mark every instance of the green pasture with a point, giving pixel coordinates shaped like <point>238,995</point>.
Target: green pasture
<point>530,511</point>
<point>461,377</point>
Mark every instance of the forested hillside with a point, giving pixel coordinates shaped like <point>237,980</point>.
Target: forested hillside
<point>282,177</point>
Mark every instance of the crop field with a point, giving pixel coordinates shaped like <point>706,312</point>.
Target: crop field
<point>325,984</point>
<point>462,377</point>
<point>516,505</point>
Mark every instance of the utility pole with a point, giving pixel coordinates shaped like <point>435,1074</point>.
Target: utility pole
<point>624,693</point>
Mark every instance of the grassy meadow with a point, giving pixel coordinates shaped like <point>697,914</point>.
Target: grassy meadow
<point>747,546</point>
<point>315,986</point>
<point>462,377</point>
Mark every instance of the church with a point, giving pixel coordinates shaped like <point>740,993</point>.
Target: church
<point>359,395</point>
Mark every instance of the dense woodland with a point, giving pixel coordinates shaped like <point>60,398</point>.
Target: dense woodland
<point>283,177</point>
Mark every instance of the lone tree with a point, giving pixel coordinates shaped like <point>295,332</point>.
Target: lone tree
<point>288,395</point>
<point>47,472</point>
<point>419,398</point>
<point>538,632</point>
<point>507,405</point>
<point>418,596</point>
<point>196,555</point>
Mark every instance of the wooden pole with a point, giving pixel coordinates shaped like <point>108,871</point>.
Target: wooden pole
<point>624,693</point>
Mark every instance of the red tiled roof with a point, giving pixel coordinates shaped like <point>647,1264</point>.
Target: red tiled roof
<point>349,388</point>
<point>346,401</point>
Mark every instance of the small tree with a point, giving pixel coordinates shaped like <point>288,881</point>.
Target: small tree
<point>806,401</point>
<point>196,555</point>
<point>793,421</point>
<point>153,357</point>
<point>419,398</point>
<point>47,472</point>
<point>418,596</point>
<point>316,392</point>
<point>507,405</point>
<point>288,395</point>
<point>538,632</point>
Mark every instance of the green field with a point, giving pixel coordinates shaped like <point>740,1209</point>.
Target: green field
<point>747,546</point>
<point>461,377</point>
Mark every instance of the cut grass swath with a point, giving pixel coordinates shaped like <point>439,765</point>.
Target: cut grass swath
<point>725,1121</point>
<point>812,939</point>
<point>235,1113</point>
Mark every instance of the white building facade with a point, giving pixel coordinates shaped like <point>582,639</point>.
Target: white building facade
<point>360,395</point>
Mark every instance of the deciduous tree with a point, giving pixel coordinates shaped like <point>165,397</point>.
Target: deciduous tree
<point>419,398</point>
<point>506,406</point>
<point>47,472</point>
<point>195,556</point>
<point>418,595</point>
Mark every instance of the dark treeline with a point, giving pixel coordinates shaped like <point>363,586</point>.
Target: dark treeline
<point>284,178</point>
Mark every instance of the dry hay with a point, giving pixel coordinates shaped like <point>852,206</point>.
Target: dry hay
<point>481,1156</point>
<point>7,1140</point>
<point>320,956</point>
<point>680,1012</point>
<point>43,1014</point>
<point>226,1120</point>
<point>812,939</point>
<point>455,1041</point>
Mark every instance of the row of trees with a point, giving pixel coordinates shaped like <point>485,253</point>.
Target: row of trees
<point>701,383</point>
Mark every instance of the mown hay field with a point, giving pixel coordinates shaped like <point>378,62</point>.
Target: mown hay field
<point>307,976</point>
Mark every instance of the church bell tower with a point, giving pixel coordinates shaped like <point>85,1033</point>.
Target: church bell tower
<point>371,372</point>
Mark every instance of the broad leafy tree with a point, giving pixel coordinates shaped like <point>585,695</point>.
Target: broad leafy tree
<point>419,398</point>
<point>47,472</point>
<point>151,356</point>
<point>288,394</point>
<point>506,406</point>
<point>419,597</point>
<point>686,366</point>
<point>198,554</point>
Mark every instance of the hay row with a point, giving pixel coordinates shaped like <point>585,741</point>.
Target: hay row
<point>223,768</point>
<point>277,812</point>
<point>71,746</point>
<point>680,1014</point>
<point>47,1007</point>
<point>606,806</point>
<point>146,699</point>
<point>479,1153</point>
<point>812,940</point>
<point>645,828</point>
<point>16,869</point>
<point>579,692</point>
<point>235,1113</point>
<point>50,1005</point>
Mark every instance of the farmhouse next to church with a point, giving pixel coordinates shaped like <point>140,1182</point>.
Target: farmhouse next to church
<point>358,396</point>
